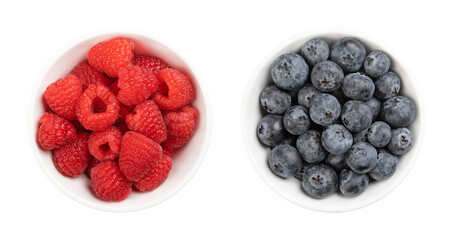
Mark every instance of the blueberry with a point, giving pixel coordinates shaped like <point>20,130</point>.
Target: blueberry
<point>275,100</point>
<point>325,109</point>
<point>289,71</point>
<point>315,50</point>
<point>339,95</point>
<point>361,157</point>
<point>385,167</point>
<point>356,115</point>
<point>319,181</point>
<point>375,106</point>
<point>358,86</point>
<point>349,53</point>
<point>327,76</point>
<point>337,162</point>
<point>285,161</point>
<point>379,134</point>
<point>387,86</point>
<point>377,63</point>
<point>401,141</point>
<point>270,130</point>
<point>360,136</point>
<point>352,184</point>
<point>336,139</point>
<point>296,120</point>
<point>398,111</point>
<point>310,147</point>
<point>307,94</point>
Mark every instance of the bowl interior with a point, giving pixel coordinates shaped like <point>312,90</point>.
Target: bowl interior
<point>185,162</point>
<point>291,188</point>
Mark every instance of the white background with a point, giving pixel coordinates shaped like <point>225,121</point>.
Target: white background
<point>225,42</point>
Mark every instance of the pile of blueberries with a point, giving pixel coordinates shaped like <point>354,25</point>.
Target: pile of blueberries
<point>345,126</point>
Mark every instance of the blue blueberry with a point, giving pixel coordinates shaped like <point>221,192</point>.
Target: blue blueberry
<point>339,95</point>
<point>336,139</point>
<point>327,76</point>
<point>385,167</point>
<point>398,111</point>
<point>375,106</point>
<point>401,141</point>
<point>377,63</point>
<point>349,53</point>
<point>296,120</point>
<point>379,134</point>
<point>337,162</point>
<point>356,115</point>
<point>285,161</point>
<point>325,109</point>
<point>307,94</point>
<point>360,136</point>
<point>310,147</point>
<point>361,157</point>
<point>270,130</point>
<point>289,71</point>
<point>315,50</point>
<point>358,86</point>
<point>275,100</point>
<point>319,181</point>
<point>387,86</point>
<point>352,184</point>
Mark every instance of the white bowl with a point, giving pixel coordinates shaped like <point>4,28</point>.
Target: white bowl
<point>291,188</point>
<point>185,162</point>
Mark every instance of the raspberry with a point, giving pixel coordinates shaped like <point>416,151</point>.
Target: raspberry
<point>180,126</point>
<point>97,108</point>
<point>62,96</point>
<point>155,176</point>
<point>180,90</point>
<point>109,183</point>
<point>122,127</point>
<point>147,120</point>
<point>151,64</point>
<point>104,145</point>
<point>114,87</point>
<point>72,159</point>
<point>138,154</point>
<point>111,55</point>
<point>55,131</point>
<point>91,164</point>
<point>168,151</point>
<point>124,111</point>
<point>89,75</point>
<point>135,84</point>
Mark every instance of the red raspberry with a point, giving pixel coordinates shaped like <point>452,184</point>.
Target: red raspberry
<point>155,176</point>
<point>122,127</point>
<point>89,75</point>
<point>147,120</point>
<point>55,131</point>
<point>138,154</point>
<point>97,108</point>
<point>114,87</point>
<point>180,126</point>
<point>72,159</point>
<point>168,151</point>
<point>124,111</point>
<point>109,183</point>
<point>135,84</point>
<point>151,64</point>
<point>111,55</point>
<point>62,96</point>
<point>180,90</point>
<point>105,144</point>
<point>91,164</point>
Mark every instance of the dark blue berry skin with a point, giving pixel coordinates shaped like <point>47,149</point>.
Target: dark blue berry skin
<point>307,94</point>
<point>336,139</point>
<point>379,134</point>
<point>349,53</point>
<point>387,86</point>
<point>356,115</point>
<point>319,181</point>
<point>285,161</point>
<point>337,162</point>
<point>310,147</point>
<point>385,167</point>
<point>352,184</point>
<point>315,50</point>
<point>376,64</point>
<point>398,111</point>
<point>296,120</point>
<point>275,100</point>
<point>339,95</point>
<point>360,136</point>
<point>401,141</point>
<point>289,71</point>
<point>325,109</point>
<point>361,157</point>
<point>327,76</point>
<point>358,86</point>
<point>375,106</point>
<point>270,130</point>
